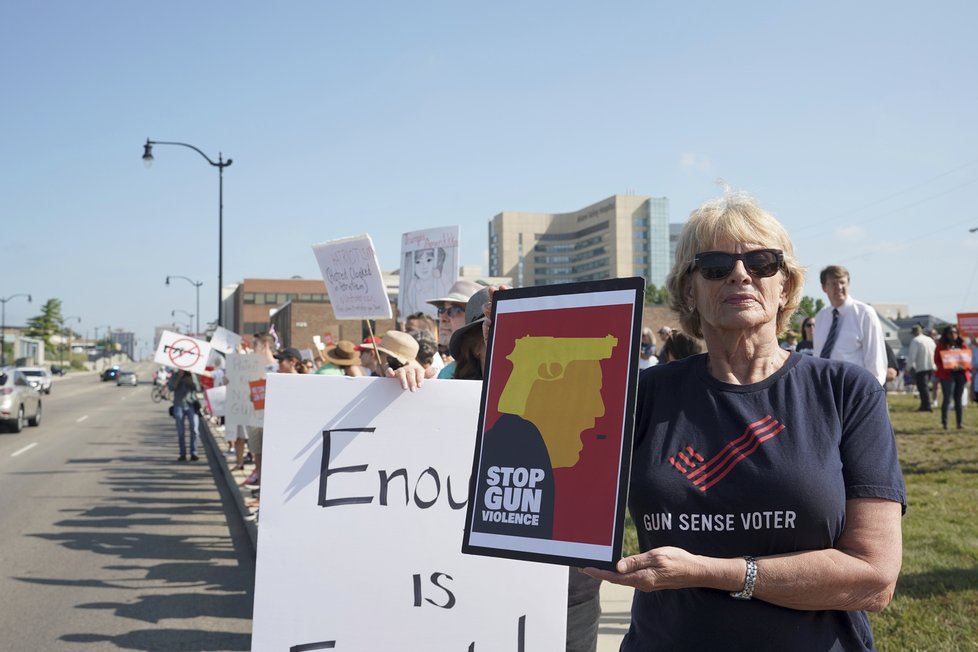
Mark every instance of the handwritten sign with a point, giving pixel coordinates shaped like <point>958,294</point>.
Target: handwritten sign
<point>242,369</point>
<point>353,279</point>
<point>224,340</point>
<point>429,266</point>
<point>182,352</point>
<point>363,503</point>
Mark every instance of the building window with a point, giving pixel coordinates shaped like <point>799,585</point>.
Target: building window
<point>249,297</point>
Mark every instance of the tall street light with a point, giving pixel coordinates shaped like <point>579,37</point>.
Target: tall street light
<point>3,325</point>
<point>196,285</point>
<point>63,320</point>
<point>220,165</point>
<point>190,316</point>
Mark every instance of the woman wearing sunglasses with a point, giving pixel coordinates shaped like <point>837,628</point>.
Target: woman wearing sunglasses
<point>765,484</point>
<point>807,343</point>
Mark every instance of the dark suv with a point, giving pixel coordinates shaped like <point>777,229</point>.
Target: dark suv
<point>110,373</point>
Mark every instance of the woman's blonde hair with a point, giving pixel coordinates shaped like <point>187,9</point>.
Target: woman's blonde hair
<point>734,217</point>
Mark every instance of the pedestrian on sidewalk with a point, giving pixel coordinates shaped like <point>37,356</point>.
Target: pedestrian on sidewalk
<point>185,407</point>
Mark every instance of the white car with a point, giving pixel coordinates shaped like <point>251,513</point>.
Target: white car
<point>38,377</point>
<point>126,378</point>
<point>20,403</point>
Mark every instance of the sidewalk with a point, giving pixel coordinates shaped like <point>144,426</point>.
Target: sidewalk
<point>616,601</point>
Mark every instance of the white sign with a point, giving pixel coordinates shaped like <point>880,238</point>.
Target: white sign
<point>216,399</point>
<point>353,279</point>
<point>224,340</point>
<point>242,369</point>
<point>429,266</point>
<point>182,352</point>
<point>363,506</point>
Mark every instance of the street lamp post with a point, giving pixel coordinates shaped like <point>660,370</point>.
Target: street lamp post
<point>196,285</point>
<point>63,320</point>
<point>190,316</point>
<point>3,325</point>
<point>220,164</point>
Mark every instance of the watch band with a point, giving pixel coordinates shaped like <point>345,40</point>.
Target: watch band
<point>749,579</point>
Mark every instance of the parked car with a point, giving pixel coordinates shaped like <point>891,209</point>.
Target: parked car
<point>20,403</point>
<point>38,377</point>
<point>58,371</point>
<point>126,378</point>
<point>110,373</point>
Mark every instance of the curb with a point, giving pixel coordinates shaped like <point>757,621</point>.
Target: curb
<point>238,492</point>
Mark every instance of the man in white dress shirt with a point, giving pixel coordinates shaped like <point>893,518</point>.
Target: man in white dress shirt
<point>847,329</point>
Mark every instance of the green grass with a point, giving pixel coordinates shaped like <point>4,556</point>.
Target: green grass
<point>936,602</point>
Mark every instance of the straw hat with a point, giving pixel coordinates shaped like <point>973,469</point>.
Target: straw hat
<point>399,345</point>
<point>343,354</point>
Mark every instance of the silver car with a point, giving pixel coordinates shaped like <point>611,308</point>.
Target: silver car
<point>126,378</point>
<point>20,403</point>
<point>39,377</point>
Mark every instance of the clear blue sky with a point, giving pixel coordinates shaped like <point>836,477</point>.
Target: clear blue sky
<point>854,123</point>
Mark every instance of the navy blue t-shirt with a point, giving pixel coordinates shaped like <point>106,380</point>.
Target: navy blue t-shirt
<point>731,470</point>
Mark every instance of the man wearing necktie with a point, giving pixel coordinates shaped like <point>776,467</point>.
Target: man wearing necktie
<point>847,329</point>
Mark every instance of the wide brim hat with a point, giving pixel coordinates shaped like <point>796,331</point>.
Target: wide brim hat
<point>399,345</point>
<point>344,354</point>
<point>460,292</point>
<point>474,316</point>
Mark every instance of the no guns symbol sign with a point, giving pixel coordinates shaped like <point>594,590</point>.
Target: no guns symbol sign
<point>181,352</point>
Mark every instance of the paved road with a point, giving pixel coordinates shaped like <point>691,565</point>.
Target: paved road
<point>106,543</point>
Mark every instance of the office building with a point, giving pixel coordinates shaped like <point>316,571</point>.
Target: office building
<point>624,235</point>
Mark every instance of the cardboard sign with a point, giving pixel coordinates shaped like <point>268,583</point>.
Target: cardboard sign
<point>353,279</point>
<point>968,324</point>
<point>216,398</point>
<point>182,352</point>
<point>429,266</point>
<point>956,359</point>
<point>224,340</point>
<point>363,492</point>
<point>553,456</point>
<point>242,369</point>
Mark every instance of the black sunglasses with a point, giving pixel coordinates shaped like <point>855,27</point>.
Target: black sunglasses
<point>717,265</point>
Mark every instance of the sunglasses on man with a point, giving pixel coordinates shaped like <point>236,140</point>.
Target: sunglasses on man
<point>718,265</point>
<point>451,311</point>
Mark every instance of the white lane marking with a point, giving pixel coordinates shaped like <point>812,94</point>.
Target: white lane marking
<point>23,450</point>
<point>80,419</point>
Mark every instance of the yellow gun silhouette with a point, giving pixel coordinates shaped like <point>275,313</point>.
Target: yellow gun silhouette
<point>545,358</point>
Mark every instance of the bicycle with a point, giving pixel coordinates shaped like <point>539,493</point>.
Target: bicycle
<point>160,393</point>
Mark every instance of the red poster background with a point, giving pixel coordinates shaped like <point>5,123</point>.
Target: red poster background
<point>586,493</point>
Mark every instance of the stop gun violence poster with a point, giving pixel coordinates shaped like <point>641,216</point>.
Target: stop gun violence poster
<point>553,456</point>
<point>362,513</point>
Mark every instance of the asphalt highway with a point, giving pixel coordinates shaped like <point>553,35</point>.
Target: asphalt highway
<point>106,542</point>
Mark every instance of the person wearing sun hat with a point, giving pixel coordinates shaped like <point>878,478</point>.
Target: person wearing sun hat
<point>451,309</point>
<point>400,349</point>
<point>467,346</point>
<point>342,359</point>
<point>369,358</point>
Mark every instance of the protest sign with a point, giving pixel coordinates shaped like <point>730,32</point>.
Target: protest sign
<point>429,266</point>
<point>182,352</point>
<point>224,340</point>
<point>553,456</point>
<point>242,369</point>
<point>362,509</point>
<point>353,278</point>
<point>216,397</point>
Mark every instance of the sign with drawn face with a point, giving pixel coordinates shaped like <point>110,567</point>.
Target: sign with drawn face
<point>429,266</point>
<point>554,444</point>
<point>363,502</point>
<point>353,278</point>
<point>182,352</point>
